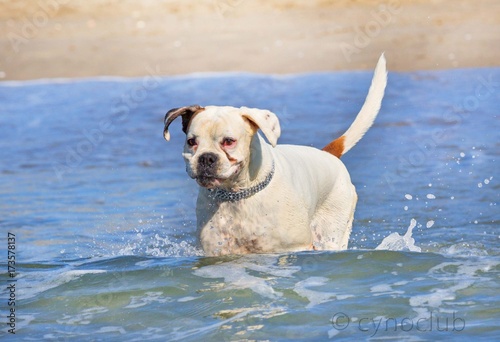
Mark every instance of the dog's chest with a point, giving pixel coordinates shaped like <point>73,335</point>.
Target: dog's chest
<point>237,228</point>
<point>270,221</point>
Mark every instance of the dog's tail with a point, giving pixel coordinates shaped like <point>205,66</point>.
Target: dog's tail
<point>366,115</point>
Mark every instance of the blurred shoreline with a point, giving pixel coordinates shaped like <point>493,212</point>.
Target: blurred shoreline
<point>77,38</point>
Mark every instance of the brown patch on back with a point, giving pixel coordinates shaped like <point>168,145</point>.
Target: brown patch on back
<point>336,147</point>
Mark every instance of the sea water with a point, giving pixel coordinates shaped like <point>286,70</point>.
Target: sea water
<point>98,214</point>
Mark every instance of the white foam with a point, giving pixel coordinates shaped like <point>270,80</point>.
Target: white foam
<point>381,288</point>
<point>302,288</point>
<point>269,264</point>
<point>236,277</point>
<point>436,298</point>
<point>235,273</point>
<point>459,276</point>
<point>45,281</point>
<point>145,263</point>
<point>384,289</point>
<point>464,275</point>
<point>401,283</point>
<point>148,298</point>
<point>83,318</point>
<point>111,329</point>
<point>187,299</point>
<point>464,250</point>
<point>396,242</point>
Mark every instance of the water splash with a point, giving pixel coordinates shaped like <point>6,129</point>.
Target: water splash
<point>159,246</point>
<point>396,242</point>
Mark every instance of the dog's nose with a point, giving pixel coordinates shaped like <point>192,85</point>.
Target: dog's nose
<point>207,159</point>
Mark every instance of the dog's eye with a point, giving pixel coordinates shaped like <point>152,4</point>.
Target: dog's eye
<point>191,142</point>
<point>228,142</point>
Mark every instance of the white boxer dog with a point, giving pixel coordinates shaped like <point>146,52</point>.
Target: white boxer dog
<point>257,197</point>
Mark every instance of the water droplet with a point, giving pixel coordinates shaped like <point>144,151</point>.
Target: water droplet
<point>430,223</point>
<point>408,196</point>
<point>431,196</point>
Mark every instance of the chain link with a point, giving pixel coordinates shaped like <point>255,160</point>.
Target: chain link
<point>223,195</point>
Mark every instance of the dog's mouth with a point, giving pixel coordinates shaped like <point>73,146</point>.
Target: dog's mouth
<point>209,182</point>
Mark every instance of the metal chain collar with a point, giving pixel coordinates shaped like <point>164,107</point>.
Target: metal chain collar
<point>223,195</point>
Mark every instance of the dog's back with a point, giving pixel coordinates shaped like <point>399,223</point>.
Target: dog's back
<point>323,184</point>
<point>324,181</point>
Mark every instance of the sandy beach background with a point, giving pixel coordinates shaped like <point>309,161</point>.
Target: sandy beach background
<point>85,38</point>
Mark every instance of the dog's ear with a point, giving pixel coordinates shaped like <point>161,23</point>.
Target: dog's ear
<point>186,113</point>
<point>265,120</point>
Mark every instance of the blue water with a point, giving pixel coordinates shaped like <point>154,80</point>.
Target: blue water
<point>104,215</point>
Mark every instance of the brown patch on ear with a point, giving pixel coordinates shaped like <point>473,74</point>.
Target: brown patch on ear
<point>336,147</point>
<point>187,119</point>
<point>187,114</point>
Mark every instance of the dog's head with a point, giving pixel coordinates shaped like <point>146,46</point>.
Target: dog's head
<point>217,148</point>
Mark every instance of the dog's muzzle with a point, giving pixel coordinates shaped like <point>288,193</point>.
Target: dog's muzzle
<point>207,164</point>
<point>206,171</point>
